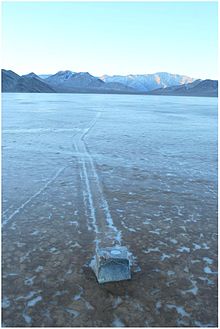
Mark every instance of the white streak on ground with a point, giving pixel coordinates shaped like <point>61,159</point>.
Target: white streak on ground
<point>180,310</point>
<point>117,301</point>
<point>38,130</point>
<point>84,199</point>
<point>193,290</point>
<point>26,317</point>
<point>74,313</point>
<point>34,301</point>
<point>164,256</point>
<point>203,325</point>
<point>29,281</point>
<point>117,323</point>
<point>6,210</point>
<point>87,195</point>
<point>23,205</point>
<point>28,296</point>
<point>158,306</point>
<point>157,231</point>
<point>104,203</point>
<point>5,302</point>
<point>184,249</point>
<point>151,250</point>
<point>208,270</point>
<point>174,241</point>
<point>78,296</point>
<point>208,260</point>
<point>39,269</point>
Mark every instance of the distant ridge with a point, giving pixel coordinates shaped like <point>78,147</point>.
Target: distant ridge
<point>12,82</point>
<point>200,88</point>
<point>147,82</point>
<point>83,82</point>
<point>68,81</point>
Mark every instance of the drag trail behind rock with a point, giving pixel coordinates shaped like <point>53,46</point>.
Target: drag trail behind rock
<point>98,215</point>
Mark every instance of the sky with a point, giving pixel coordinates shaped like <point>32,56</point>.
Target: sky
<point>111,37</point>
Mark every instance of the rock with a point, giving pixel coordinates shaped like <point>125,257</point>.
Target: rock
<point>112,264</point>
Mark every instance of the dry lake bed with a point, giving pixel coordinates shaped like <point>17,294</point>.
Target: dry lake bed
<point>83,170</point>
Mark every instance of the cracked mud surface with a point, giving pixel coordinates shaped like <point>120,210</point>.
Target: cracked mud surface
<point>155,159</point>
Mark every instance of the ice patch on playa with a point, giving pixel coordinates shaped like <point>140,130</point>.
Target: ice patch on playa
<point>76,245</point>
<point>39,269</point>
<point>127,228</point>
<point>157,231</point>
<point>181,323</point>
<point>137,269</point>
<point>208,260</point>
<point>27,318</point>
<point>184,249</point>
<point>29,281</point>
<point>164,256</point>
<point>28,296</point>
<point>196,246</point>
<point>147,221</point>
<point>74,313</point>
<point>174,241</point>
<point>203,325</point>
<point>79,295</point>
<point>158,306</point>
<point>117,323</point>
<point>207,270</point>
<point>170,273</point>
<point>5,302</point>
<point>193,290</point>
<point>88,305</point>
<point>23,258</point>
<point>120,210</point>
<point>34,301</point>
<point>73,222</point>
<point>20,244</point>
<point>36,232</point>
<point>180,310</point>
<point>200,246</point>
<point>168,219</point>
<point>117,301</point>
<point>54,250</point>
<point>208,281</point>
<point>60,293</point>
<point>151,250</point>
<point>194,261</point>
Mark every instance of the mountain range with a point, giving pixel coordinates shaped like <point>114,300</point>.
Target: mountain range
<point>147,82</point>
<point>160,83</point>
<point>201,88</point>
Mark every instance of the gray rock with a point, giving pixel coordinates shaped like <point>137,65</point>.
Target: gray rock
<point>112,264</point>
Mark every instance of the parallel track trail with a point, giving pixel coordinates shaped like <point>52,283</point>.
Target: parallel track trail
<point>94,200</point>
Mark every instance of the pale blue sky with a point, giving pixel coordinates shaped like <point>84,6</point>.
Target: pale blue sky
<point>111,37</point>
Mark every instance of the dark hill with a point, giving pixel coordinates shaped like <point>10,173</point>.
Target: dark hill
<point>201,88</point>
<point>12,82</point>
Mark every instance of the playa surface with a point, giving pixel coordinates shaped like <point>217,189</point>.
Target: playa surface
<point>81,171</point>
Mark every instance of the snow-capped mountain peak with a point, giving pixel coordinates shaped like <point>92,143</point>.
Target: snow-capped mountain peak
<point>147,82</point>
<point>60,77</point>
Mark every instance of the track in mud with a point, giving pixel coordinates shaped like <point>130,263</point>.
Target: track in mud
<point>98,213</point>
